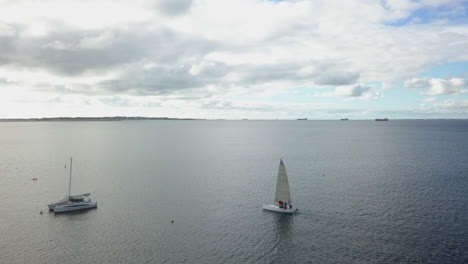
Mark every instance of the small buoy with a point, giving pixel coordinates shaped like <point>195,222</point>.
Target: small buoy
<point>172,221</point>
<point>40,212</point>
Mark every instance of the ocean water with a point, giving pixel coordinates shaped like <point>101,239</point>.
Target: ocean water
<point>369,192</point>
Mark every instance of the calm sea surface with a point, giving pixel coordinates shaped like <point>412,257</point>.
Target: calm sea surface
<point>369,192</point>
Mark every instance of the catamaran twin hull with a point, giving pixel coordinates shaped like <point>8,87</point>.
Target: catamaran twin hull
<point>74,207</point>
<point>66,199</point>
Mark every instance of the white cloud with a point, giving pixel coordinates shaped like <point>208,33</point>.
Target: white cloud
<point>86,15</point>
<point>6,30</point>
<point>57,45</point>
<point>450,105</point>
<point>437,86</point>
<point>446,106</point>
<point>222,47</point>
<point>100,41</point>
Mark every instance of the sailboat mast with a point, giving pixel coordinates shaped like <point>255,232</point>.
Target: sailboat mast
<point>69,182</point>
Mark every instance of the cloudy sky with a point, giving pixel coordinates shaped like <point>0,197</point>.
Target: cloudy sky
<point>257,59</point>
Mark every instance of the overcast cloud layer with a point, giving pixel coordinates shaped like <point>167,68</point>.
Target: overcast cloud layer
<point>234,59</point>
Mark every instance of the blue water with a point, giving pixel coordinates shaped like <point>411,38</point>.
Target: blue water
<point>369,192</point>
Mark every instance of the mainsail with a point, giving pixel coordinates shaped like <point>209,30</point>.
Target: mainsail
<point>282,186</point>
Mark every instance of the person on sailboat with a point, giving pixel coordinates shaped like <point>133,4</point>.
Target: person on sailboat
<point>280,203</point>
<point>285,205</point>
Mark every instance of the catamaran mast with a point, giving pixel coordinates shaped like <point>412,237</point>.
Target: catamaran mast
<point>69,182</point>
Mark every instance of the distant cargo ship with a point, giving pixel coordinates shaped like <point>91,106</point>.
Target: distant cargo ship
<point>344,119</point>
<point>302,119</point>
<point>381,119</point>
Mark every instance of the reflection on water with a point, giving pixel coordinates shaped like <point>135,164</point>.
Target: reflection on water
<point>283,229</point>
<point>283,225</point>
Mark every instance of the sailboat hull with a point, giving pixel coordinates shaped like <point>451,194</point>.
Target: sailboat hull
<point>275,208</point>
<point>66,199</point>
<point>75,207</point>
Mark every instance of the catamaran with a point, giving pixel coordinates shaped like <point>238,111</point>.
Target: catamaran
<point>68,198</point>
<point>283,203</point>
<point>73,202</point>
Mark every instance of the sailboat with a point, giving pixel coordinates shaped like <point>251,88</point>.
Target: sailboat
<point>283,203</point>
<point>73,202</point>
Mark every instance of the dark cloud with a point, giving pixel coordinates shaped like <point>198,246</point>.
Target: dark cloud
<point>170,77</point>
<point>358,90</point>
<point>418,83</point>
<point>322,73</point>
<point>176,61</point>
<point>7,48</point>
<point>257,74</point>
<point>158,80</point>
<point>174,7</point>
<point>75,52</point>
<point>336,78</point>
<point>165,79</point>
<point>4,81</point>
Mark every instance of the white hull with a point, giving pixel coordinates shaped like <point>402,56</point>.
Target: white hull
<point>74,207</point>
<point>275,208</point>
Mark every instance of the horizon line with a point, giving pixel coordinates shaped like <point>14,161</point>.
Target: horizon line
<point>135,118</point>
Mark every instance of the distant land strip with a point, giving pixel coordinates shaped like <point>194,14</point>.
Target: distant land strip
<point>112,118</point>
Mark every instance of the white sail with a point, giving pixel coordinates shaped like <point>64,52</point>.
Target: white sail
<point>282,186</point>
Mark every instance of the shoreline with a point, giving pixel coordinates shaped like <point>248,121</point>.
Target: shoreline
<point>77,119</point>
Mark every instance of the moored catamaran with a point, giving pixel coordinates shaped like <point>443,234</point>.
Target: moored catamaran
<point>73,202</point>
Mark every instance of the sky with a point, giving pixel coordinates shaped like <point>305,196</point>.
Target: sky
<point>224,59</point>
